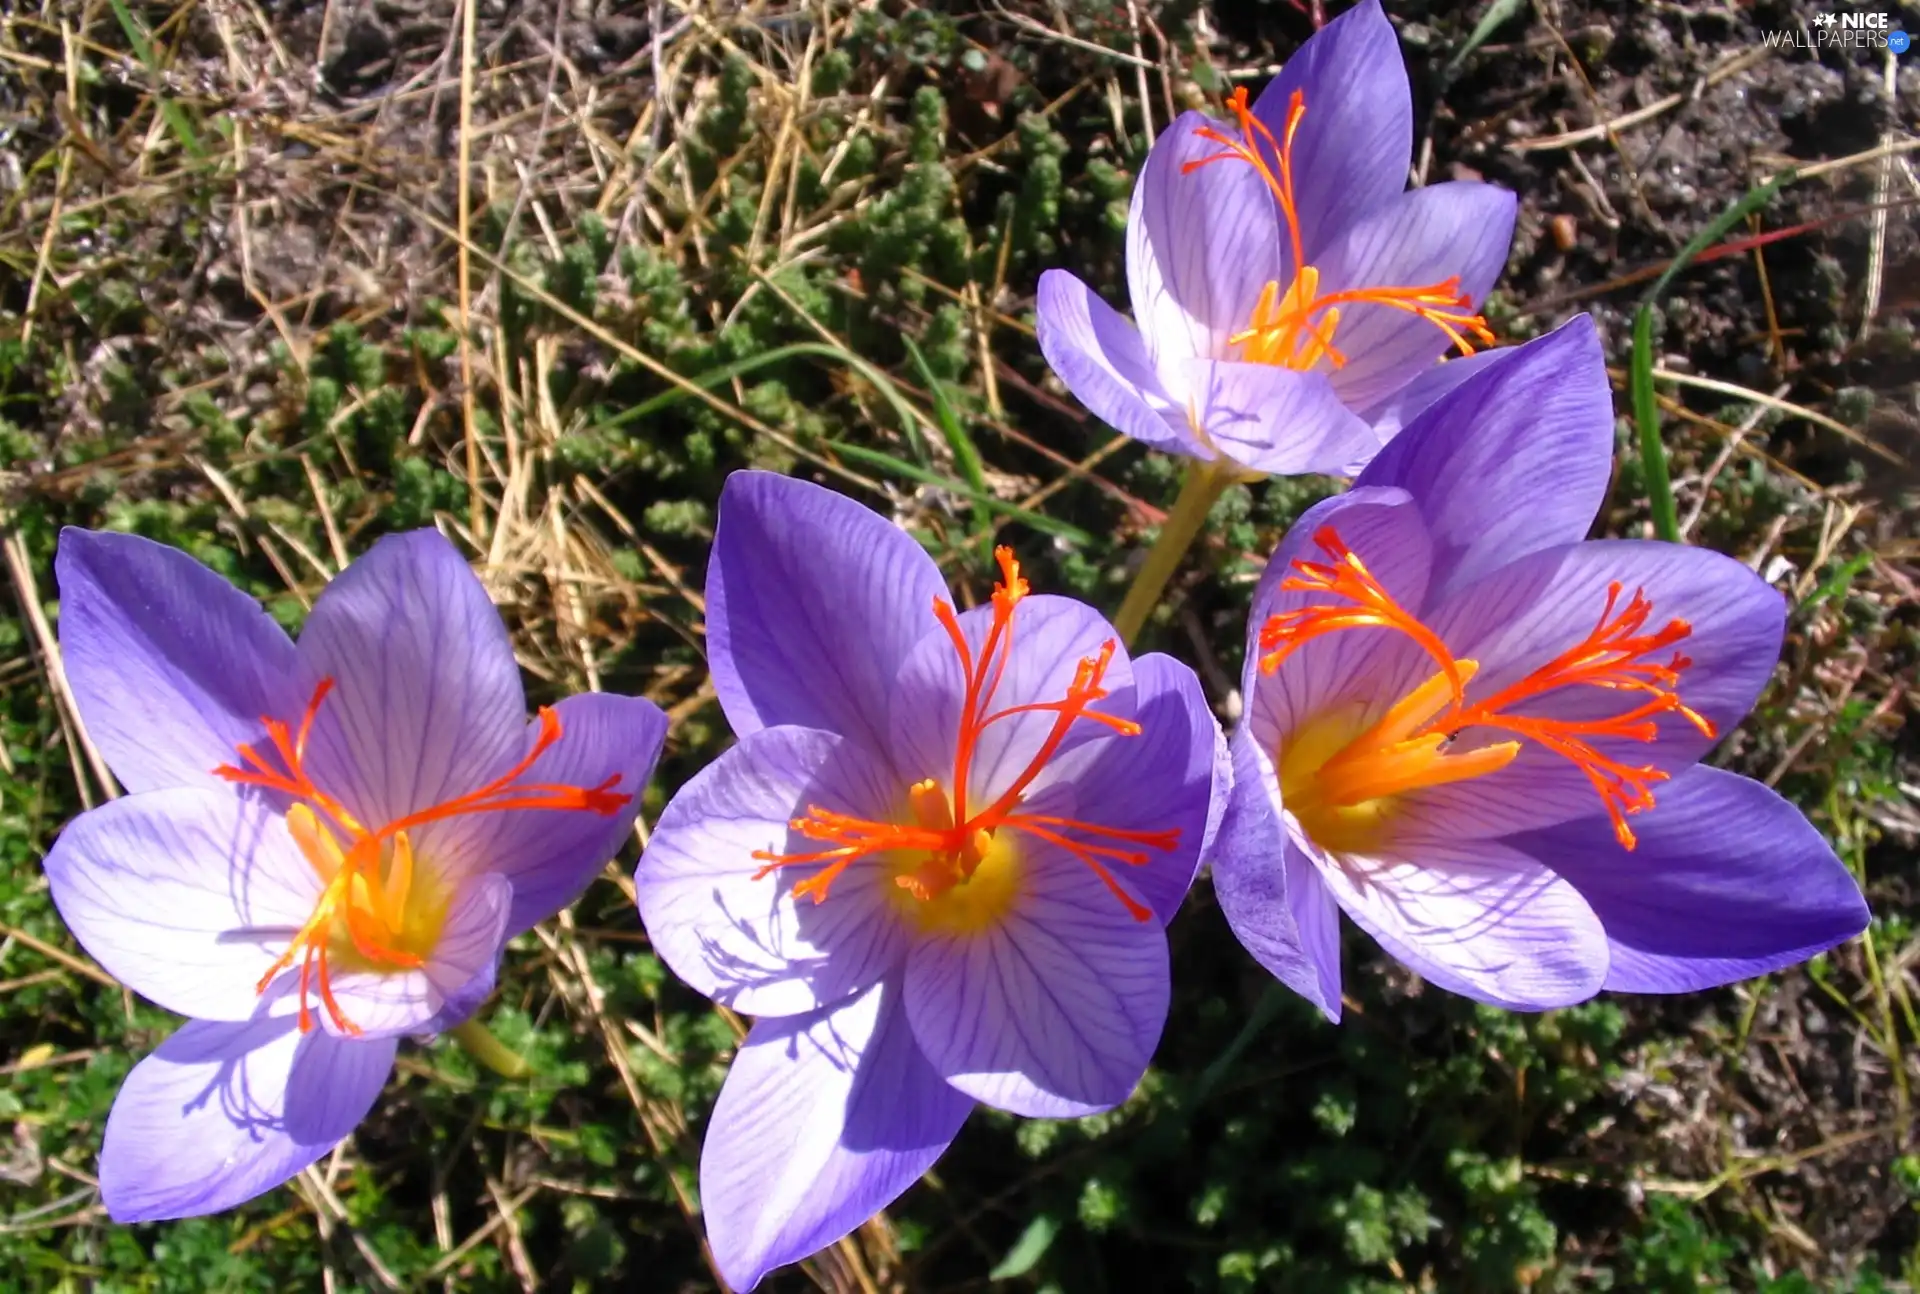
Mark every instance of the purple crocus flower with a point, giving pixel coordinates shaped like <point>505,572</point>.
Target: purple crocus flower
<point>937,864</point>
<point>1479,734</point>
<point>1291,298</point>
<point>325,846</point>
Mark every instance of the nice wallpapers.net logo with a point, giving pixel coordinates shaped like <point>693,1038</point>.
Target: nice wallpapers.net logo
<point>1843,31</point>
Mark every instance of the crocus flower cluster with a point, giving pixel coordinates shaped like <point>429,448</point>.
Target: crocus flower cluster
<point>937,865</point>
<point>1290,300</point>
<point>1478,733</point>
<point>325,846</point>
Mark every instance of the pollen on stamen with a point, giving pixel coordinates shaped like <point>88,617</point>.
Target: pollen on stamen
<point>371,899</point>
<point>1399,753</point>
<point>1295,328</point>
<point>952,838</point>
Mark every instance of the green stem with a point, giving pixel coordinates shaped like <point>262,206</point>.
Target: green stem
<point>1204,485</point>
<point>1257,1020</point>
<point>489,1050</point>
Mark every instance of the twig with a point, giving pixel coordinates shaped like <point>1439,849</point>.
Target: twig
<point>27,593</point>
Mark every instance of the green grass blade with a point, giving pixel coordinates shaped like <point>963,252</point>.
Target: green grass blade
<point>1028,1250</point>
<point>965,455</point>
<point>174,116</point>
<point>1038,520</point>
<point>1748,203</point>
<point>1497,12</point>
<point>910,417</point>
<point>1646,413</point>
<point>1646,416</point>
<point>1837,584</point>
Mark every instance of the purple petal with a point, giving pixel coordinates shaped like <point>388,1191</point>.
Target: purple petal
<point>1728,881</point>
<point>823,1121</point>
<point>812,603</point>
<point>1103,360</point>
<point>1278,908</point>
<point>1393,414</point>
<point>1423,237</point>
<point>1173,776</point>
<point>457,978</point>
<point>1200,246</point>
<point>1054,1009</point>
<point>426,703</point>
<point>186,896</point>
<point>1514,460</point>
<point>1354,146</point>
<point>748,942</point>
<point>1524,615</point>
<point>1477,918</point>
<point>1317,916</point>
<point>221,1113</point>
<point>1367,667</point>
<point>552,855</point>
<point>1051,636</point>
<point>171,666</point>
<point>1271,419</point>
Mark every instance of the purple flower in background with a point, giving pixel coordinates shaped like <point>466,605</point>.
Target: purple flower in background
<point>1291,299</point>
<point>343,832</point>
<point>936,871</point>
<point>1479,733</point>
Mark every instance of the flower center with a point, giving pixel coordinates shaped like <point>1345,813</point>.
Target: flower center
<point>1341,779</point>
<point>1294,329</point>
<point>954,860</point>
<point>377,911</point>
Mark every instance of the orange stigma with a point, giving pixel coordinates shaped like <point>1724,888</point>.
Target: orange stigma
<point>1294,329</point>
<point>1346,780</point>
<point>375,911</point>
<point>947,841</point>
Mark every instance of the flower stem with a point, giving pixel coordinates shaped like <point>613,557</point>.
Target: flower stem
<point>489,1050</point>
<point>1257,1020</point>
<point>1205,483</point>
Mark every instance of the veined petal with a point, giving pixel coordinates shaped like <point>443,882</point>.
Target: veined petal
<point>458,975</point>
<point>748,942</point>
<point>813,601</point>
<point>551,855</point>
<point>1446,230</point>
<point>1525,614</point>
<point>1270,419</point>
<point>1478,918</point>
<point>1054,1009</point>
<point>1270,892</point>
<point>824,1119</point>
<point>1728,881</point>
<point>1172,777</point>
<point>1395,413</point>
<point>1354,147</point>
<point>1104,362</point>
<point>187,896</point>
<point>1051,636</point>
<point>221,1113</point>
<point>426,703</point>
<point>1514,459</point>
<point>1200,246</point>
<point>170,665</point>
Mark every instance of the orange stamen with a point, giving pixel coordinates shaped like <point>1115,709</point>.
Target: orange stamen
<point>1410,747</point>
<point>1295,329</point>
<point>369,883</point>
<point>953,839</point>
<point>1374,608</point>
